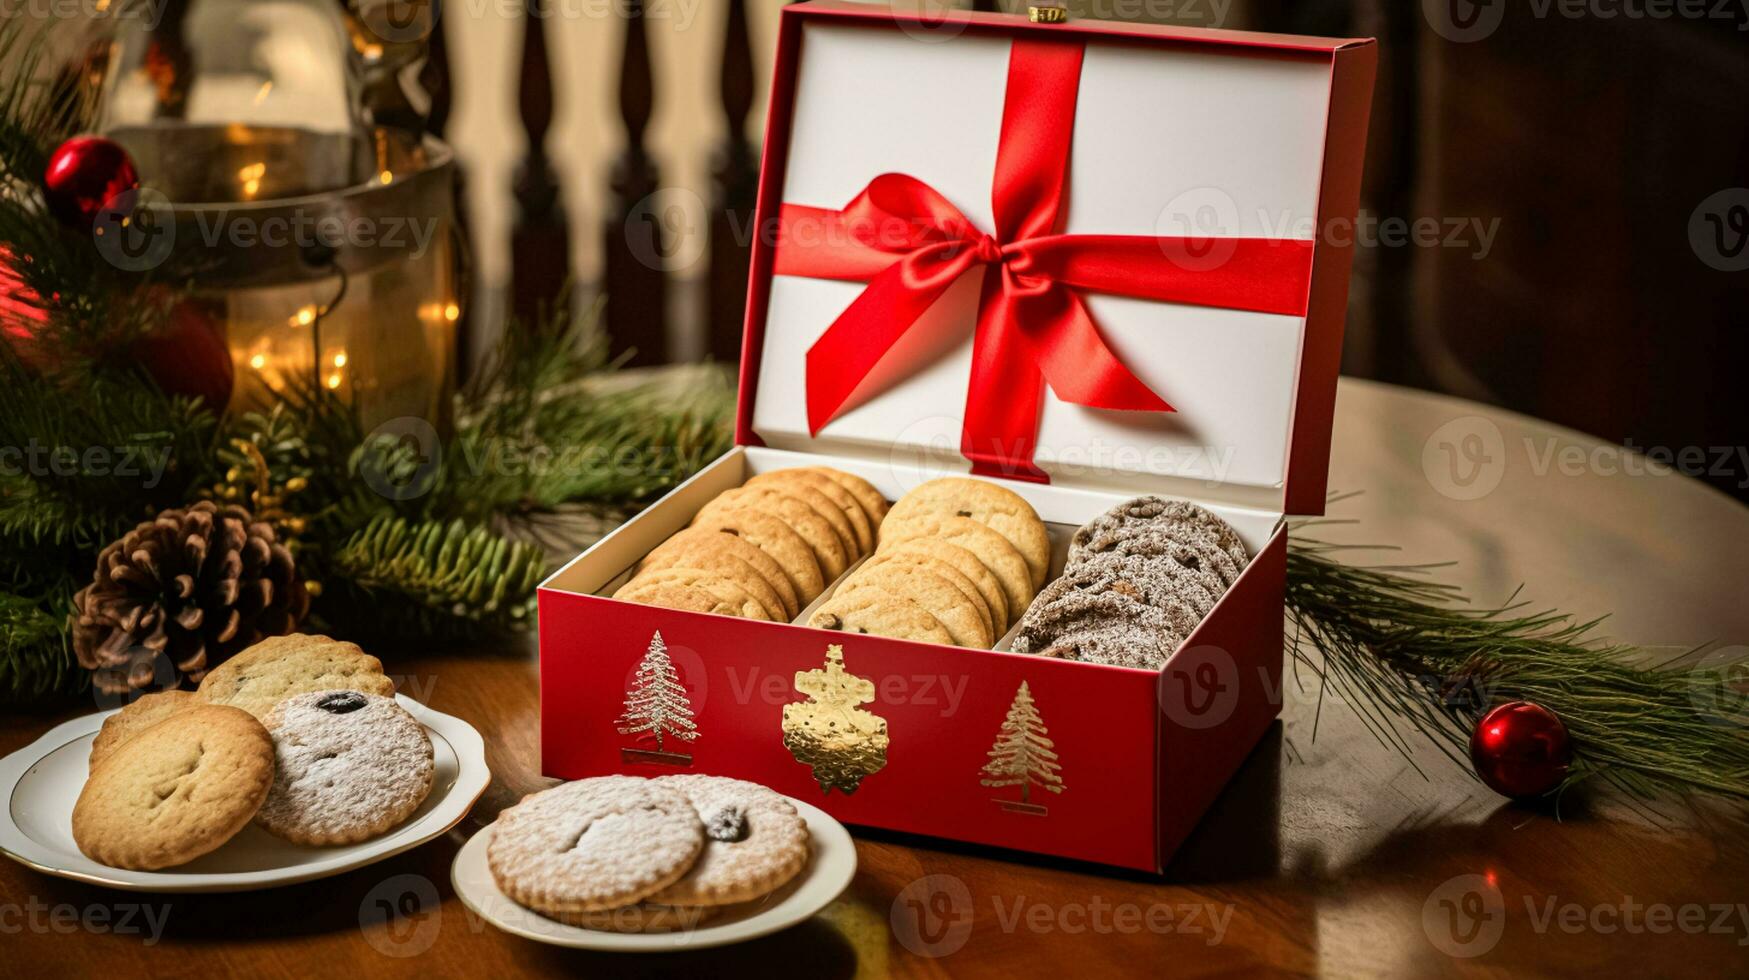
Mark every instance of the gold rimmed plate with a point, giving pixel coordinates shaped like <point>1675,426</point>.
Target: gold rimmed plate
<point>41,782</point>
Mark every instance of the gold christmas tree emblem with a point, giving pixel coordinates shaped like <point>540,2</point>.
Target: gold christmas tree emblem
<point>657,706</point>
<point>1022,756</point>
<point>829,732</point>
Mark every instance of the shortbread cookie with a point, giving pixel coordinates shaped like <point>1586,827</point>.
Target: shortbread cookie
<point>347,767</point>
<point>967,564</point>
<point>927,556</point>
<point>955,610</point>
<point>281,666</point>
<point>706,548</point>
<point>175,791</point>
<point>776,539</point>
<point>724,589</point>
<point>140,714</point>
<point>873,504</point>
<point>990,548</point>
<point>681,597</point>
<point>719,566</point>
<point>776,499</point>
<point>841,499</point>
<point>997,507</point>
<point>1149,516</point>
<point>880,614</point>
<point>755,842</point>
<point>828,546</point>
<point>594,844</point>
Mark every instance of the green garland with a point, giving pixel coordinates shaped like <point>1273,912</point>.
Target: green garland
<point>1405,653</point>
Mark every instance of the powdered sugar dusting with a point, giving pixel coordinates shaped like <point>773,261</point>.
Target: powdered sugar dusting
<point>768,847</point>
<point>594,844</point>
<point>345,772</point>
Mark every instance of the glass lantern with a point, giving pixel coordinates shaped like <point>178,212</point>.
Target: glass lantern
<point>323,246</point>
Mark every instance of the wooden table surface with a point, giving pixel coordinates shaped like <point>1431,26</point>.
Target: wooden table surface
<point>1327,855</point>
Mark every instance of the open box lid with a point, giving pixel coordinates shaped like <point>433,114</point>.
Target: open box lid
<point>1226,152</point>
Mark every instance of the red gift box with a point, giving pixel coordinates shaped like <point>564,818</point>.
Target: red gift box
<point>985,245</point>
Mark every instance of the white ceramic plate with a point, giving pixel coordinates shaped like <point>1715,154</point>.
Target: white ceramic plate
<point>830,868</point>
<point>40,783</point>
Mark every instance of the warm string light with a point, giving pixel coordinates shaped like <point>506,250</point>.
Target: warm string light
<point>250,177</point>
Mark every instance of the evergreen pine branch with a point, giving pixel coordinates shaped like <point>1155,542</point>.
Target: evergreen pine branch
<point>1402,648</point>
<point>35,657</point>
<point>80,469</point>
<point>452,569</point>
<point>547,421</point>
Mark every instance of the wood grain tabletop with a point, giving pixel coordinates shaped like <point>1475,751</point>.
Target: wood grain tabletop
<point>1327,855</point>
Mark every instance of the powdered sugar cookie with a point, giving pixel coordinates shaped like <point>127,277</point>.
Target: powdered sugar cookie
<point>1102,615</point>
<point>755,842</point>
<point>347,767</point>
<point>594,844</point>
<point>1144,524</point>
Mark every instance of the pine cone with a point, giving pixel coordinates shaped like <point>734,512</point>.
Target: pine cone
<point>184,591</point>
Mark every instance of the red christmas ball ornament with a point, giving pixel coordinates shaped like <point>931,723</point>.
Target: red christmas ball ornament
<point>188,357</point>
<point>84,175</point>
<point>1521,750</point>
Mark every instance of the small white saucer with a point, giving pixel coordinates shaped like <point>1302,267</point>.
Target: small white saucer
<point>830,868</point>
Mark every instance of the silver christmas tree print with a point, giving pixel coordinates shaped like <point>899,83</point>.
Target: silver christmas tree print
<point>656,707</point>
<point>1022,756</point>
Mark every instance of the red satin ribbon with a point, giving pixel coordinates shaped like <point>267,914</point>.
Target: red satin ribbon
<point>910,244</point>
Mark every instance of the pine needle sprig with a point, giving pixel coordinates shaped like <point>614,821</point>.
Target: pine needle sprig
<point>89,467</point>
<point>450,568</point>
<point>1405,650</point>
<point>550,420</point>
<point>35,656</point>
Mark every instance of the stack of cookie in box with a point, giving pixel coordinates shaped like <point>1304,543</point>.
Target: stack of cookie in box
<point>1138,580</point>
<point>958,559</point>
<point>764,550</point>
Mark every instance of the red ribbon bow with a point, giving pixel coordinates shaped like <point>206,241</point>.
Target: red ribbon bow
<point>910,244</point>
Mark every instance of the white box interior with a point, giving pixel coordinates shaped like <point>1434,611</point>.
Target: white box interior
<point>610,563</point>
<point>1169,140</point>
